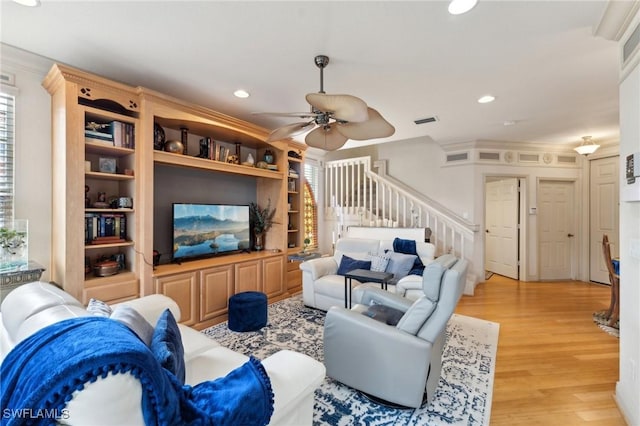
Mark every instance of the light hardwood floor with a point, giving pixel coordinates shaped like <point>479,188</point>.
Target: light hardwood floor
<point>554,365</point>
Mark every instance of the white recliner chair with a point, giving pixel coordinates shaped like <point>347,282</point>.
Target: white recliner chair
<point>399,363</point>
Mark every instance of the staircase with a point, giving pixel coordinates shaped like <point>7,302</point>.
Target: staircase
<point>355,195</point>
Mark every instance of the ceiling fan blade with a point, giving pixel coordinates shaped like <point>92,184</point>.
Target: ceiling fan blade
<point>325,137</point>
<point>289,130</point>
<point>288,114</point>
<point>344,107</point>
<point>375,127</point>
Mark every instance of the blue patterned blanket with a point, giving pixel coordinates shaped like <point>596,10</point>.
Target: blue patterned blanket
<point>41,373</point>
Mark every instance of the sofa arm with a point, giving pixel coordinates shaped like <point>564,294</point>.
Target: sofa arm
<point>319,267</point>
<point>372,295</point>
<point>294,379</point>
<point>152,306</point>
<point>410,282</point>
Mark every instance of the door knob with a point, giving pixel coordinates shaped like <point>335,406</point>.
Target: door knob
<point>569,235</point>
<point>486,230</point>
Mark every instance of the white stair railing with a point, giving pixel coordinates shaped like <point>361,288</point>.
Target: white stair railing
<point>352,188</point>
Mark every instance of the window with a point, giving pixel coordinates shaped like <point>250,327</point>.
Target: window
<point>6,156</point>
<point>310,203</point>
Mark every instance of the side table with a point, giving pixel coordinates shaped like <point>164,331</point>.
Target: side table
<point>11,279</point>
<point>364,275</point>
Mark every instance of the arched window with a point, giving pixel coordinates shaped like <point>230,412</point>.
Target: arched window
<point>310,215</point>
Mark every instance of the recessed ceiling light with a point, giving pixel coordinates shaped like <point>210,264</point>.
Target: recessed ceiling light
<point>29,3</point>
<point>458,7</point>
<point>486,99</point>
<point>510,123</point>
<point>241,93</point>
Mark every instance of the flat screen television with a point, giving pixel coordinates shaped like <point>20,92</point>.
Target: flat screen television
<point>205,230</point>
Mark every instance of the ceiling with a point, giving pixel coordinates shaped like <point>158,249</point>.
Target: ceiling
<point>553,80</point>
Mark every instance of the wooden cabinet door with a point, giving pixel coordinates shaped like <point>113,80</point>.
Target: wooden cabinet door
<point>183,288</point>
<point>248,276</point>
<point>294,277</point>
<point>273,276</point>
<point>216,286</point>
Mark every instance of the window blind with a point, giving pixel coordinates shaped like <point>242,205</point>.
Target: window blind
<point>7,142</point>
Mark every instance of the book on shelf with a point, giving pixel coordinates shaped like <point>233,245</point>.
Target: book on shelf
<point>97,226</point>
<point>123,134</point>
<point>212,150</point>
<point>98,135</point>
<point>91,139</point>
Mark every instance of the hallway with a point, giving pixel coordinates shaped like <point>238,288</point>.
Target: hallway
<point>554,365</point>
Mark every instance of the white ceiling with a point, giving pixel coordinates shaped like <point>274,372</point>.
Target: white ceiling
<point>409,60</point>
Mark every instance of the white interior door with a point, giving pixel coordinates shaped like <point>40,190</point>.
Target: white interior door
<point>556,229</point>
<point>603,210</point>
<point>501,230</point>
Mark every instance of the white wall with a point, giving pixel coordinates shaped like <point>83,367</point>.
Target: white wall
<point>628,387</point>
<point>33,149</point>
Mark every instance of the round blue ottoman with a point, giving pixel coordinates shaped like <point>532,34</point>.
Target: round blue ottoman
<point>247,311</point>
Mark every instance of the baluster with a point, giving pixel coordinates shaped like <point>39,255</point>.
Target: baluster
<point>397,213</point>
<point>358,191</point>
<point>453,240</point>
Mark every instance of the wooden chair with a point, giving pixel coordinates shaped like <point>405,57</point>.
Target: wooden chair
<point>613,312</point>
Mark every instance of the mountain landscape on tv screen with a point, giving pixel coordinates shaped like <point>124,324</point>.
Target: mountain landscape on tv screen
<point>204,235</point>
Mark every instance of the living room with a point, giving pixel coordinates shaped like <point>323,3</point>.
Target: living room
<point>33,160</point>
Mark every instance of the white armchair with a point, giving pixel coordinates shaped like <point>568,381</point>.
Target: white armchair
<point>396,363</point>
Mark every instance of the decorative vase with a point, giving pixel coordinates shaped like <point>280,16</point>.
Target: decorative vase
<point>14,245</point>
<point>258,241</point>
<point>268,157</point>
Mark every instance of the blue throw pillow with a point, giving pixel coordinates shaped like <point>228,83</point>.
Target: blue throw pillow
<point>409,247</point>
<point>348,264</point>
<point>166,345</point>
<point>400,264</point>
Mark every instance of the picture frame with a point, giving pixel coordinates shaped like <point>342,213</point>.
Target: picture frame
<point>107,165</point>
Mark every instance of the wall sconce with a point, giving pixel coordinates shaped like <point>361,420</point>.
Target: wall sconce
<point>587,146</point>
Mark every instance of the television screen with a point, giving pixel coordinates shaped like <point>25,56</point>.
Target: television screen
<point>203,230</point>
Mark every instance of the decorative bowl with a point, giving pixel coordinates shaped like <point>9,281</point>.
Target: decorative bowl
<point>174,146</point>
<point>105,268</point>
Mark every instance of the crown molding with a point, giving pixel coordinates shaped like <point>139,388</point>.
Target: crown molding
<point>521,146</point>
<point>19,60</point>
<point>616,19</point>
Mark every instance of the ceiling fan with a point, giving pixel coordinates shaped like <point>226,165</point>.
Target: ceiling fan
<point>336,119</point>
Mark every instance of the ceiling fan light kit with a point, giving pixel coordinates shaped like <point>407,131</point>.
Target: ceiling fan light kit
<point>587,146</point>
<point>336,118</point>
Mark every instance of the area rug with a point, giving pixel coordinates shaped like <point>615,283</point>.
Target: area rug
<point>463,396</point>
<point>600,318</point>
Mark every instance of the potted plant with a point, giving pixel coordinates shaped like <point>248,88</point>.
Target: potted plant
<point>306,242</point>
<point>261,220</point>
<point>13,244</point>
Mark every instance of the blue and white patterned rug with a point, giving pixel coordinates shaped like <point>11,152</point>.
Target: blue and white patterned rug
<point>463,396</point>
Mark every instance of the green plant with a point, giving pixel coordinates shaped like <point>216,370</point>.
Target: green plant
<point>261,218</point>
<point>11,240</point>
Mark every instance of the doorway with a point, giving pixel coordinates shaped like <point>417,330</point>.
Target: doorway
<point>556,223</point>
<point>603,212</point>
<point>502,213</point>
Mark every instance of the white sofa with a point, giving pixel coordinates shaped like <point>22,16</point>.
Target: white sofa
<point>322,288</point>
<point>115,400</point>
